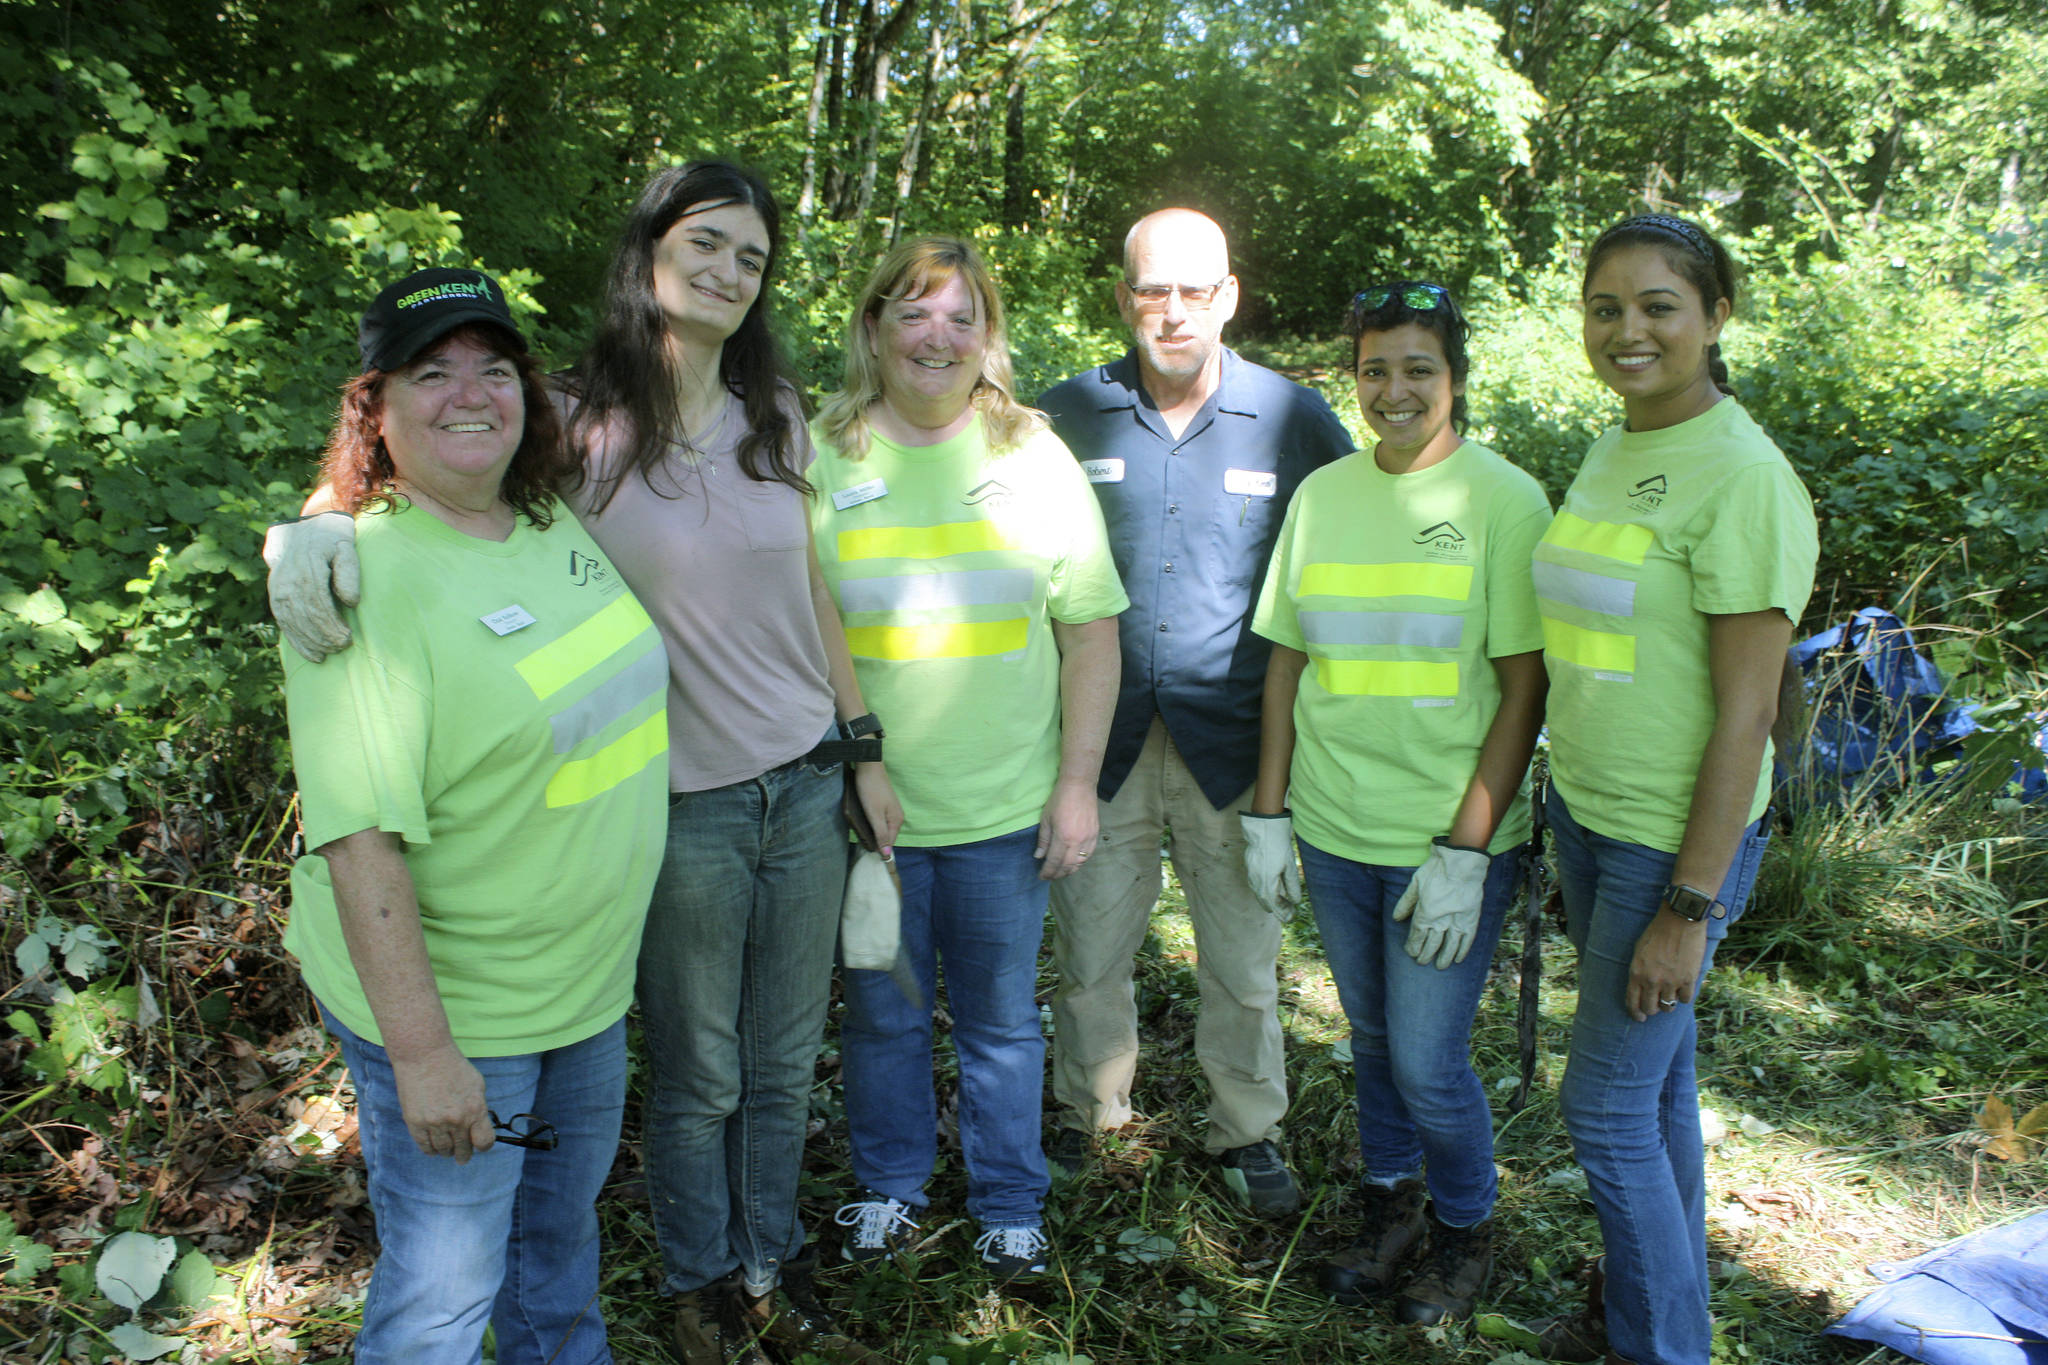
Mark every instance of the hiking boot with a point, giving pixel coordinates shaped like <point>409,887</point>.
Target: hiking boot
<point>1261,1179</point>
<point>1069,1152</point>
<point>1581,1336</point>
<point>795,1323</point>
<point>1012,1253</point>
<point>1390,1233</point>
<point>710,1327</point>
<point>881,1228</point>
<point>1453,1274</point>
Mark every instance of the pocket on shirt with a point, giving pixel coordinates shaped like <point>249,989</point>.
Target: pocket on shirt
<point>1241,532</point>
<point>772,513</point>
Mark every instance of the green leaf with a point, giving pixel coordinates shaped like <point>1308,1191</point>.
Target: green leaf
<point>41,608</point>
<point>1501,1328</point>
<point>137,1344</point>
<point>195,1281</point>
<point>31,1258</point>
<point>1140,1247</point>
<point>131,1268</point>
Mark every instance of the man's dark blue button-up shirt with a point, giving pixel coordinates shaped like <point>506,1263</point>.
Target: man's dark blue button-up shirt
<point>1192,522</point>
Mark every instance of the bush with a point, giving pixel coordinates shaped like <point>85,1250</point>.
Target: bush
<point>177,372</point>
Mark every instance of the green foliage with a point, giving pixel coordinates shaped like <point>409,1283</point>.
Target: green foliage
<point>81,1040</point>
<point>26,1257</point>
<point>169,405</point>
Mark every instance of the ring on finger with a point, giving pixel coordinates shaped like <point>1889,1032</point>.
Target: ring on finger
<point>1669,1004</point>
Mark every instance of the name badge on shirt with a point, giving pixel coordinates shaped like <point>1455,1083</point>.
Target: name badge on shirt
<point>505,620</point>
<point>1103,471</point>
<point>1250,483</point>
<point>859,493</point>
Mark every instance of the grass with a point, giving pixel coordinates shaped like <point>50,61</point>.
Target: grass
<point>1887,981</point>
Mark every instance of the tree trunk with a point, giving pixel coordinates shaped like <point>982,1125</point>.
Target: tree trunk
<point>823,66</point>
<point>1014,169</point>
<point>909,164</point>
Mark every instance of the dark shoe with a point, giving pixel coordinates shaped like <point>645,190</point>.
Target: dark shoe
<point>1453,1275</point>
<point>881,1227</point>
<point>1582,1336</point>
<point>1261,1179</point>
<point>1070,1151</point>
<point>710,1327</point>
<point>1391,1233</point>
<point>1012,1253</point>
<point>794,1323</point>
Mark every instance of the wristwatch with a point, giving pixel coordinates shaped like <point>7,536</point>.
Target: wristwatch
<point>861,727</point>
<point>1691,903</point>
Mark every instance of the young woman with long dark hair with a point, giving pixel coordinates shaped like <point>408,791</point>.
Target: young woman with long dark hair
<point>1670,582</point>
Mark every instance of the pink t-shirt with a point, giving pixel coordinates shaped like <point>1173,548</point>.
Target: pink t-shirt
<point>721,563</point>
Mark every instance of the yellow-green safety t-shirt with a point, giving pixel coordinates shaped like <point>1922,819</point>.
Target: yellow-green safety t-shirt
<point>1660,530</point>
<point>1401,588</point>
<point>502,710</point>
<point>950,562</point>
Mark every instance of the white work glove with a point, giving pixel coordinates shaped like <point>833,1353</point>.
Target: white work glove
<point>313,574</point>
<point>1269,861</point>
<point>1443,896</point>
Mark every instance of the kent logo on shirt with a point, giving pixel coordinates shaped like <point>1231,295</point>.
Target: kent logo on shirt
<point>1648,495</point>
<point>1444,541</point>
<point>588,571</point>
<point>990,491</point>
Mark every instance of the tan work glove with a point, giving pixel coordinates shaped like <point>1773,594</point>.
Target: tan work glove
<point>1269,861</point>
<point>313,574</point>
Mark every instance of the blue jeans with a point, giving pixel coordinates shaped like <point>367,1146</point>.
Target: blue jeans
<point>509,1238</point>
<point>1421,1108</point>
<point>735,970</point>
<point>979,908</point>
<point>1629,1097</point>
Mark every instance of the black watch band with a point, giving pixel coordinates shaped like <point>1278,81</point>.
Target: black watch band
<point>861,727</point>
<point>1691,903</point>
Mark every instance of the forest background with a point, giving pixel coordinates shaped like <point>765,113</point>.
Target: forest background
<point>199,197</point>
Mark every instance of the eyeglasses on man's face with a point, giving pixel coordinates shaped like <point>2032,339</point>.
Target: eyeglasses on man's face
<point>1152,298</point>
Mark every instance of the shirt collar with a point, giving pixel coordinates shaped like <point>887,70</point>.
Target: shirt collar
<point>1120,386</point>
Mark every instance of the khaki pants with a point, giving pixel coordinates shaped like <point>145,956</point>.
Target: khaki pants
<point>1100,916</point>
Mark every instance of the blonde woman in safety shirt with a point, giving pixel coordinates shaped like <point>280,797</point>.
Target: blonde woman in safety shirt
<point>1402,702</point>
<point>1669,585</point>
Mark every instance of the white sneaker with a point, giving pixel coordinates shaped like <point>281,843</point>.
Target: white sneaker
<point>881,1227</point>
<point>1013,1253</point>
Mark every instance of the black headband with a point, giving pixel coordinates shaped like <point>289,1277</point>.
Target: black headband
<point>1674,227</point>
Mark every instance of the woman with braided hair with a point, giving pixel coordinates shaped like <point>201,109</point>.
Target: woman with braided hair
<point>1669,584</point>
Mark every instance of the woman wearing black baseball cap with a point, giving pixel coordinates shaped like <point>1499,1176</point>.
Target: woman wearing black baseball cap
<point>688,465</point>
<point>481,781</point>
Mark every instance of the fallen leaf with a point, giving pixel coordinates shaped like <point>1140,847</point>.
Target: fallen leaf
<point>2007,1142</point>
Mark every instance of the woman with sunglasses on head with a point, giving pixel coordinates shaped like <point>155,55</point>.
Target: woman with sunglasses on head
<point>480,848</point>
<point>969,558</point>
<point>690,471</point>
<point>1669,584</point>
<point>1402,703</point>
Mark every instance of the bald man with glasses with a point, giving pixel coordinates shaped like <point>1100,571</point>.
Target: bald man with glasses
<point>1193,452</point>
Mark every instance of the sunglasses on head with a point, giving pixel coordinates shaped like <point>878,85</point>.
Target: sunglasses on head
<point>1423,298</point>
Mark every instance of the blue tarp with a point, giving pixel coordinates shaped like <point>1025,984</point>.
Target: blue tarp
<point>1980,1300</point>
<point>1880,709</point>
<point>1875,697</point>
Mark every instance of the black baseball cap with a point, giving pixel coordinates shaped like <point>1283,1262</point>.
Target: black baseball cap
<point>425,306</point>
